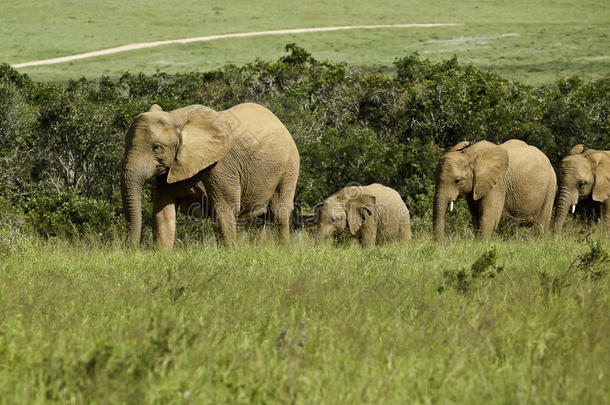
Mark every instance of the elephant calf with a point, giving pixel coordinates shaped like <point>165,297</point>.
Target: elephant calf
<point>244,160</point>
<point>584,178</point>
<point>371,213</point>
<point>509,181</point>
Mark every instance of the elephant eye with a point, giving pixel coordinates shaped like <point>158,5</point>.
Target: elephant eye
<point>157,147</point>
<point>458,180</point>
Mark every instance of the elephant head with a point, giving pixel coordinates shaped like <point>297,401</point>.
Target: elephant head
<point>178,144</point>
<point>582,174</point>
<point>348,208</point>
<point>466,170</point>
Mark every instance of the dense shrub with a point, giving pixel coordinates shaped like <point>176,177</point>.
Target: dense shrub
<point>18,141</point>
<point>349,125</point>
<point>66,213</point>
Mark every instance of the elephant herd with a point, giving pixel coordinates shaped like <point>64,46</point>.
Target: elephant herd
<point>242,163</point>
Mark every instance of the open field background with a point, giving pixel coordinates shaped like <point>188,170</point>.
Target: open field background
<point>534,42</point>
<point>86,322</point>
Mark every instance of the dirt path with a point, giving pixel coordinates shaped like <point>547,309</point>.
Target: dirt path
<point>142,45</point>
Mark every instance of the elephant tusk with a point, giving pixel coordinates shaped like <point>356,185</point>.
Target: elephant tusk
<point>451,206</point>
<point>573,208</point>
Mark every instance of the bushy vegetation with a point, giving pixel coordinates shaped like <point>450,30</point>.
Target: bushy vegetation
<point>55,213</point>
<point>349,125</point>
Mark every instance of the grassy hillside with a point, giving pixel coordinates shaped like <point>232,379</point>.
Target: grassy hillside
<point>308,324</point>
<point>533,42</point>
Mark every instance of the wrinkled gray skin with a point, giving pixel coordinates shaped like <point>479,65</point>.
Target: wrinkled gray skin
<point>512,181</point>
<point>373,213</point>
<point>584,180</point>
<point>243,158</point>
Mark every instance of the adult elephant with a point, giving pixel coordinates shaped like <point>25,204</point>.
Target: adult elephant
<point>244,158</point>
<point>584,179</point>
<point>371,213</point>
<point>509,181</point>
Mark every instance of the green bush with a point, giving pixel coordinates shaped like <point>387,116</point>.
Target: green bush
<point>67,213</point>
<point>349,125</point>
<point>18,141</point>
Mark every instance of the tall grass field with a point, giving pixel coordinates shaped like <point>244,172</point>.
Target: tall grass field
<point>509,320</point>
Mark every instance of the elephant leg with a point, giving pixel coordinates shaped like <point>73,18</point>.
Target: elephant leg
<point>226,223</point>
<point>281,210</point>
<point>490,212</point>
<point>404,232</point>
<point>473,207</point>
<point>369,232</point>
<point>164,220</point>
<point>281,206</point>
<point>224,198</point>
<point>605,214</point>
<point>543,222</point>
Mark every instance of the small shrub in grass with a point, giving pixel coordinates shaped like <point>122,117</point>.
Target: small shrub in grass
<point>65,213</point>
<point>592,265</point>
<point>485,267</point>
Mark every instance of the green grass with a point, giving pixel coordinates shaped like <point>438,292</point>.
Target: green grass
<point>85,322</point>
<point>546,40</point>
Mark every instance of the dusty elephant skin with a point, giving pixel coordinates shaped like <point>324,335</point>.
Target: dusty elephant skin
<point>373,213</point>
<point>244,160</point>
<point>584,180</point>
<point>509,181</point>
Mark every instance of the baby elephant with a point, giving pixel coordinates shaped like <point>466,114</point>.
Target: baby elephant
<point>370,213</point>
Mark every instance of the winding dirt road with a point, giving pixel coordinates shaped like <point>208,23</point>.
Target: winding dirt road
<point>143,45</point>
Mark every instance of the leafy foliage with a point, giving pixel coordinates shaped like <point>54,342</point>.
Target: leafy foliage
<point>591,265</point>
<point>67,213</point>
<point>484,267</point>
<point>595,263</point>
<point>349,125</point>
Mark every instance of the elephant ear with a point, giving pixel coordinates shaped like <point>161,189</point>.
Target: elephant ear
<point>155,108</point>
<point>358,208</point>
<point>460,146</point>
<point>601,188</point>
<point>205,138</point>
<point>490,163</point>
<point>577,150</point>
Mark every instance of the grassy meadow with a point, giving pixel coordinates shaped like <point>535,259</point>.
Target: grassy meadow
<point>534,42</point>
<point>510,320</point>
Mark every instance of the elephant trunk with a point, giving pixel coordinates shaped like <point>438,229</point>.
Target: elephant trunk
<point>132,181</point>
<point>438,215</point>
<point>564,201</point>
